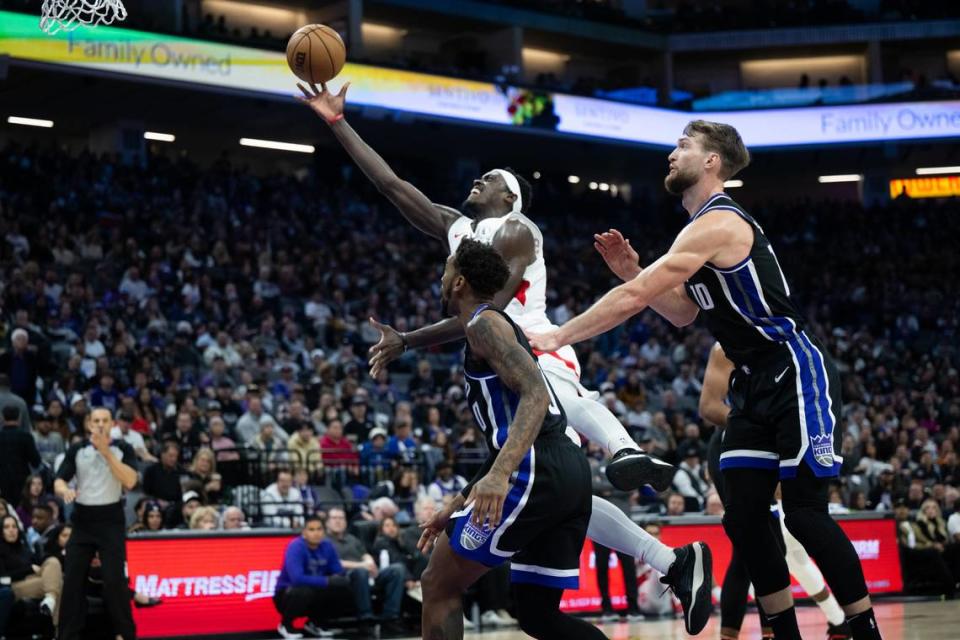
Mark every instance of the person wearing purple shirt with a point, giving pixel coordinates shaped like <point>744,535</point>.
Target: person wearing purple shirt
<point>311,579</point>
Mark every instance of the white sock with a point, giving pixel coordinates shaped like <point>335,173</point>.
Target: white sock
<point>595,421</point>
<point>612,528</point>
<point>831,609</point>
<point>49,601</point>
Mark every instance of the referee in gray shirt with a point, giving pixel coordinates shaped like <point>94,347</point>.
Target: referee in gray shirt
<point>103,469</point>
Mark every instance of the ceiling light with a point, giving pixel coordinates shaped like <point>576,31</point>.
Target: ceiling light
<point>159,137</point>
<point>536,175</point>
<point>933,171</point>
<point>732,184</point>
<point>279,146</point>
<point>842,177</point>
<point>593,186</point>
<point>30,122</point>
<point>573,179</point>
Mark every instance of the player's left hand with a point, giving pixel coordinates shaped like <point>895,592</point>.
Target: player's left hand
<point>545,342</point>
<point>488,496</point>
<point>388,349</point>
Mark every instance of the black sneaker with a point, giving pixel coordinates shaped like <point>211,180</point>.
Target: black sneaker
<point>691,578</point>
<point>631,469</point>
<point>839,632</point>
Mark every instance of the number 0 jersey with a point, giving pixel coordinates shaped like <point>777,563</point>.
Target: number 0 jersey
<point>494,404</point>
<point>747,307</point>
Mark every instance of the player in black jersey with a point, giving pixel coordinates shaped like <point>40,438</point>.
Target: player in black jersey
<point>786,386</point>
<point>531,502</point>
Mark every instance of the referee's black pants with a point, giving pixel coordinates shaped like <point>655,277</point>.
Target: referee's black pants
<point>103,529</point>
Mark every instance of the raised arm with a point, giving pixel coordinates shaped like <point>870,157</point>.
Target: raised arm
<point>716,384</point>
<point>700,242</point>
<point>515,243</point>
<point>674,304</point>
<point>434,220</point>
<point>492,338</point>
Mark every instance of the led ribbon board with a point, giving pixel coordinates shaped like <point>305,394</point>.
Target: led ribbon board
<point>173,59</point>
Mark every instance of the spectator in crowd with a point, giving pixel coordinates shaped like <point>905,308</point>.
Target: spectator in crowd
<point>151,520</point>
<point>374,457</point>
<point>42,525</point>
<point>161,480</point>
<point>233,519</point>
<point>387,551</point>
<point>105,395</point>
<point>676,505</point>
<point>360,427</point>
<point>203,470</point>
<point>18,453</point>
<point>338,451</point>
<point>303,446</point>
<point>222,444</point>
<point>204,519</point>
<point>308,495</point>
<point>29,580</point>
<point>931,531</point>
<point>123,430</point>
<point>311,582</point>
<point>361,568</point>
<point>690,480</point>
<point>923,564</point>
<point>402,447</point>
<point>31,496</point>
<point>446,483</point>
<point>424,509</point>
<point>49,442</point>
<point>251,423</point>
<point>282,504</point>
<point>187,435</point>
<point>10,399</point>
<point>22,366</point>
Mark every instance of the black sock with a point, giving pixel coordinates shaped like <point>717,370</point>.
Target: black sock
<point>784,624</point>
<point>863,626</point>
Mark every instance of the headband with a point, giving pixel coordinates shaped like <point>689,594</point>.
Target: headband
<point>513,185</point>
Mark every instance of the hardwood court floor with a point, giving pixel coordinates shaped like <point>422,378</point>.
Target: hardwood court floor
<point>898,621</point>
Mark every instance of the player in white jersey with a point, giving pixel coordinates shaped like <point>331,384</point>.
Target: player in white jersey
<point>494,213</point>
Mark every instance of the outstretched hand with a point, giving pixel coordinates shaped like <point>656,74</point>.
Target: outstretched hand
<point>387,349</point>
<point>327,105</point>
<point>622,259</point>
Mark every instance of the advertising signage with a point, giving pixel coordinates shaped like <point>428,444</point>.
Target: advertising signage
<point>165,58</point>
<point>224,583</point>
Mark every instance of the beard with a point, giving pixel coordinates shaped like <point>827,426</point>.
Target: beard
<point>470,208</point>
<point>677,183</point>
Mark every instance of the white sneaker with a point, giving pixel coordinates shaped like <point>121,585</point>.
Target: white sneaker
<point>506,617</point>
<point>491,619</point>
<point>416,593</point>
<point>48,604</point>
<point>288,634</point>
<point>318,632</point>
<point>610,616</point>
<point>635,617</point>
<point>467,624</point>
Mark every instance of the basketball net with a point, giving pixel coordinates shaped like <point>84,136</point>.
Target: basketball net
<point>67,15</point>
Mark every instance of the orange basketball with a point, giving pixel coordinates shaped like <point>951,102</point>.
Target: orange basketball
<point>316,53</point>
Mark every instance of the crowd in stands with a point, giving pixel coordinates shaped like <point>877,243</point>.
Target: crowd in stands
<point>222,316</point>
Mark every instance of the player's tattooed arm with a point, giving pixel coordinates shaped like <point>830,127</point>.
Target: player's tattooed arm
<point>492,338</point>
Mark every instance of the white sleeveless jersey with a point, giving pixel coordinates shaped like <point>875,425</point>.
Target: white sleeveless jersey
<point>528,307</point>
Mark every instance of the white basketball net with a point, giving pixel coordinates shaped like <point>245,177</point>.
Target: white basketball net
<point>67,15</point>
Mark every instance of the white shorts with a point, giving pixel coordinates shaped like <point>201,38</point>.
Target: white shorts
<point>563,371</point>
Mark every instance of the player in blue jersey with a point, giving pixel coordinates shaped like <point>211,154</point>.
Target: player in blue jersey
<point>785,388</point>
<point>530,503</point>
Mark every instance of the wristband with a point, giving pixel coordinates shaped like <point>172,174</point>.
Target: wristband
<point>335,119</point>
<point>403,339</point>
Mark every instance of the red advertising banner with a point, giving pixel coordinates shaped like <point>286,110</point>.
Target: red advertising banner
<point>214,585</point>
<point>222,584</point>
<point>874,540</point>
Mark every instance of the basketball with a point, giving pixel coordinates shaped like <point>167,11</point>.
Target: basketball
<point>316,53</point>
